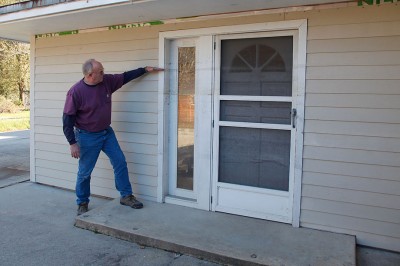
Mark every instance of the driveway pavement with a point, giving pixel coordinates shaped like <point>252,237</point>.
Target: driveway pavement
<point>14,157</point>
<point>36,224</point>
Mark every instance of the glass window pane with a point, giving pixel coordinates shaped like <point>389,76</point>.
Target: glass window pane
<point>257,66</point>
<point>254,157</point>
<point>186,107</point>
<point>256,112</point>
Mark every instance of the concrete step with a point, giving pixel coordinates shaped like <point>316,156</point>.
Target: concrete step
<point>220,237</point>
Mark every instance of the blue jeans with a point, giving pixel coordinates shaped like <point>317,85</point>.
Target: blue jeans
<point>90,144</point>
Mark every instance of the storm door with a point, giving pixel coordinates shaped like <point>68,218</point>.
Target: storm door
<point>254,125</point>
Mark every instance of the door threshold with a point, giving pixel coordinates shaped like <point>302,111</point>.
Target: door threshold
<point>188,202</point>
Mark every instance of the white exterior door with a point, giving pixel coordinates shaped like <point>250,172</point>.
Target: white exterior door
<point>254,125</point>
<point>230,140</point>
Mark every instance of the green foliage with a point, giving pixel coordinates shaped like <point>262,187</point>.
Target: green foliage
<point>371,2</point>
<point>7,106</point>
<point>8,2</point>
<point>16,121</point>
<point>14,70</point>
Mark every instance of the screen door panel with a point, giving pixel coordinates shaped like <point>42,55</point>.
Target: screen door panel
<point>254,157</point>
<point>254,130</point>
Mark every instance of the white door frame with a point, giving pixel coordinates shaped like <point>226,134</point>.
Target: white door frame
<point>298,81</point>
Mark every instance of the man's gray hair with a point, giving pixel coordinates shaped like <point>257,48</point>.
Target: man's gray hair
<point>87,67</point>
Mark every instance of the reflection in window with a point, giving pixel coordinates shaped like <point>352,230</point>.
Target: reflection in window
<point>258,56</point>
<point>186,107</point>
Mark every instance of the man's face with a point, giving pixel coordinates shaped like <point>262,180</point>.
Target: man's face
<point>97,74</point>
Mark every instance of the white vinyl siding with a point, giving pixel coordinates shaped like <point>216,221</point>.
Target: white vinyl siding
<point>134,118</point>
<point>351,159</point>
<point>351,163</point>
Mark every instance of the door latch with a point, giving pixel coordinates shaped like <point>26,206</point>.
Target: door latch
<point>294,114</point>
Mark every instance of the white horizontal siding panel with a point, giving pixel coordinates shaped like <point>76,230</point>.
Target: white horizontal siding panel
<point>58,69</point>
<point>135,127</point>
<point>50,113</point>
<point>50,104</point>
<point>379,58</point>
<point>46,138</point>
<point>138,147</point>
<point>141,84</point>
<point>140,151</point>
<point>142,192</point>
<point>353,223</point>
<point>140,138</point>
<point>363,238</point>
<point>352,156</point>
<point>54,181</point>
<point>353,114</point>
<point>55,165</point>
<point>351,210</point>
<point>131,157</point>
<point>73,59</point>
<point>102,174</point>
<point>357,30</point>
<point>354,72</point>
<point>55,86</point>
<point>99,37</point>
<point>136,106</point>
<point>352,142</point>
<point>353,128</point>
<point>139,96</point>
<point>351,169</point>
<point>49,121</point>
<point>112,46</point>
<point>352,196</point>
<point>351,15</point>
<point>53,130</point>
<point>353,183</point>
<point>53,147</point>
<point>53,78</point>
<point>378,87</point>
<point>365,44</point>
<point>134,117</point>
<point>102,178</point>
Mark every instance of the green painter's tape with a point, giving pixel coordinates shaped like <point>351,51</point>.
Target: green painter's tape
<point>114,27</point>
<point>68,32</point>
<point>371,2</point>
<point>135,25</point>
<point>56,34</point>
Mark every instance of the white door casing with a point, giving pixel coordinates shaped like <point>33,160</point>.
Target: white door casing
<point>208,74</point>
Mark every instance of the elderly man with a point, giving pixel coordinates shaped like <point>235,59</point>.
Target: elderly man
<point>88,110</point>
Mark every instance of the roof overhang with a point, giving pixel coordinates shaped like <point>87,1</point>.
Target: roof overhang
<point>27,20</point>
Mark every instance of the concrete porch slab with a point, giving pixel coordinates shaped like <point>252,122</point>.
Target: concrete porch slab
<point>220,237</point>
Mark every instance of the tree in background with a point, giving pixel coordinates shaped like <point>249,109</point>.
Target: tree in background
<point>14,68</point>
<point>8,2</point>
<point>14,71</point>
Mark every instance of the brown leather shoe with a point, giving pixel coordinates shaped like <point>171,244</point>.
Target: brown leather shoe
<point>82,208</point>
<point>131,201</point>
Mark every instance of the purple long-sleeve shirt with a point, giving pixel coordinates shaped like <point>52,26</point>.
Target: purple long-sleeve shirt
<point>88,107</point>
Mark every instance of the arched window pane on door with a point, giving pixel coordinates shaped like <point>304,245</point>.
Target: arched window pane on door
<point>257,66</point>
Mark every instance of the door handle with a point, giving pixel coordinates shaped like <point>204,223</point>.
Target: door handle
<point>294,114</point>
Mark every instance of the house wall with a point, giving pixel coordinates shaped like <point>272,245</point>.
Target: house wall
<point>351,163</point>
<point>351,160</point>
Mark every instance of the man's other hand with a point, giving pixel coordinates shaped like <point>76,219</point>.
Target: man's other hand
<point>75,152</point>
